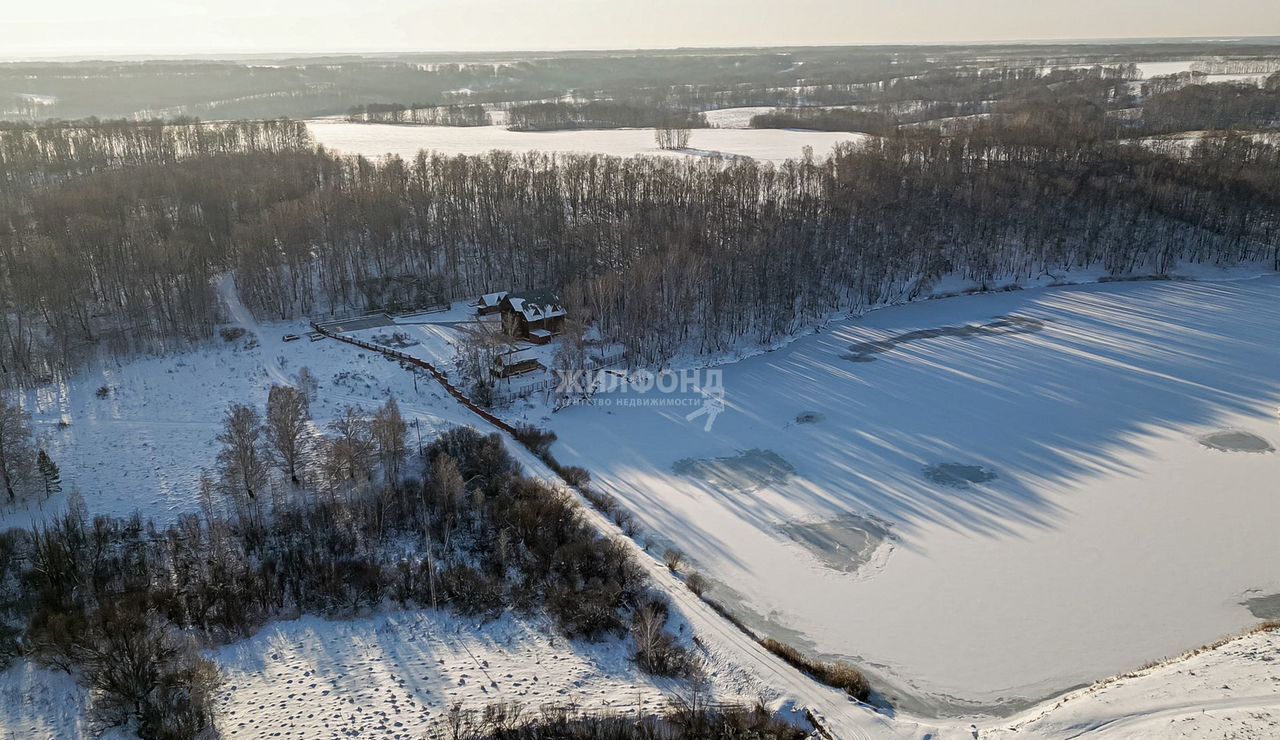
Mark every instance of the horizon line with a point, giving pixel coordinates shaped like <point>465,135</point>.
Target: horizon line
<point>228,55</point>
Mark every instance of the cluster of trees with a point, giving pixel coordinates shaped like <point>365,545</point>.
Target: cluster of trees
<point>690,716</point>
<point>421,114</point>
<point>111,232</point>
<point>827,119</point>
<point>1219,107</point>
<point>124,603</point>
<point>25,470</point>
<point>598,114</point>
<point>284,439</point>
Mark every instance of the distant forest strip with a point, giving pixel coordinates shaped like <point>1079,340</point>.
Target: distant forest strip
<point>598,114</point>
<point>420,114</point>
<point>111,234</point>
<point>687,78</point>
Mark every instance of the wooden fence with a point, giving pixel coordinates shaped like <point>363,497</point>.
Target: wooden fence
<point>416,362</point>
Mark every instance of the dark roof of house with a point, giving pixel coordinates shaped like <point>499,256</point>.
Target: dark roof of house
<point>536,304</point>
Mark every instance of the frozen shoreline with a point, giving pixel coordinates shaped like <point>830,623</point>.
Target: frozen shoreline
<point>1094,427</point>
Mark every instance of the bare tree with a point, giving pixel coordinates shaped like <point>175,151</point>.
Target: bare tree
<point>390,433</point>
<point>476,359</point>
<point>308,383</point>
<point>673,136</point>
<point>351,450</point>
<point>447,482</point>
<point>288,428</point>
<point>242,459</point>
<point>17,453</point>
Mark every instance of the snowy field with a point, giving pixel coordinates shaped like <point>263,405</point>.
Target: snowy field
<point>387,676</point>
<point>144,446</point>
<point>373,140</point>
<point>984,500</point>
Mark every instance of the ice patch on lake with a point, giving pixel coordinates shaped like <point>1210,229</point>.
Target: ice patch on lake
<point>1264,607</point>
<point>846,543</point>
<point>958,475</point>
<point>744,472</point>
<point>1233,440</point>
<point>867,351</point>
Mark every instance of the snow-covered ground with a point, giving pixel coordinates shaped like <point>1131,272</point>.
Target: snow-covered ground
<point>395,675</point>
<point>1111,534</point>
<point>1232,691</point>
<point>143,446</point>
<point>736,117</point>
<point>406,141</point>
<point>389,676</point>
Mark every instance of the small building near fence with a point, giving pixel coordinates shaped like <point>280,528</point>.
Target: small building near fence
<point>534,310</point>
<point>516,362</point>
<point>490,303</point>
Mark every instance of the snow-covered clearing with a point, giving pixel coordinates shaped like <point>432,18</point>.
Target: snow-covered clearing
<point>1160,69</point>
<point>736,117</point>
<point>373,140</point>
<point>1109,535</point>
<point>390,676</point>
<point>395,675</point>
<point>143,446</point>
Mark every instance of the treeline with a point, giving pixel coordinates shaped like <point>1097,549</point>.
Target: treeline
<point>664,255</point>
<point>598,114</point>
<point>689,717</point>
<point>420,114</point>
<point>827,119</point>
<point>124,603</point>
<point>672,255</point>
<point>1217,107</point>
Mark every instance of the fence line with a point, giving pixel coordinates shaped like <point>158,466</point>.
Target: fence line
<point>435,373</point>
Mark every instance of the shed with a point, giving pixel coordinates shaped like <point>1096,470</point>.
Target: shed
<point>515,362</point>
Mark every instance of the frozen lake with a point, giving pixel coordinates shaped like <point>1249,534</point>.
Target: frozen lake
<point>1051,512</point>
<point>406,141</point>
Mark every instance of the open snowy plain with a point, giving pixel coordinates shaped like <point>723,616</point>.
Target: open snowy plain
<point>983,500</point>
<point>373,139</point>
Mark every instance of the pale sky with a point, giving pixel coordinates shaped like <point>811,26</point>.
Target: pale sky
<point>146,27</point>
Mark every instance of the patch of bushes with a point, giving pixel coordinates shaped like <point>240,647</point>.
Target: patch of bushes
<point>838,674</point>
<point>231,334</point>
<point>684,719</point>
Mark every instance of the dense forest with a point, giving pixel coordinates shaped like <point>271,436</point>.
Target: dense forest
<point>112,233</point>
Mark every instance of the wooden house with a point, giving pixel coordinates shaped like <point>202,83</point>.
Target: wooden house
<point>490,303</point>
<point>530,311</point>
